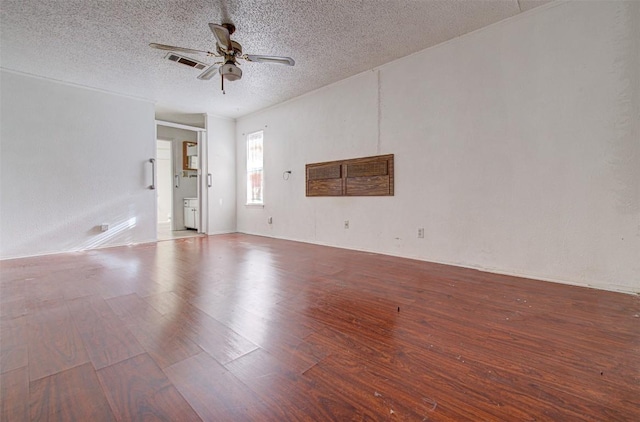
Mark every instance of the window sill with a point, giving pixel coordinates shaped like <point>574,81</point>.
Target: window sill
<point>254,205</point>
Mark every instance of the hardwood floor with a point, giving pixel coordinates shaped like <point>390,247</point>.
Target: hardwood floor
<point>246,328</point>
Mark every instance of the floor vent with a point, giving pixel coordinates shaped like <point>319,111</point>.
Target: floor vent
<point>186,61</point>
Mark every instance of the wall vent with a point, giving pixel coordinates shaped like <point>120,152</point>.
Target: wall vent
<point>185,60</point>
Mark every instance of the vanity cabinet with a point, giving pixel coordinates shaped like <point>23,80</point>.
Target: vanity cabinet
<point>191,213</point>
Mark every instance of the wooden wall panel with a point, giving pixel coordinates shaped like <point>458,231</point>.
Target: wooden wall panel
<point>370,168</point>
<point>367,176</point>
<point>367,186</point>
<point>329,171</point>
<point>328,187</point>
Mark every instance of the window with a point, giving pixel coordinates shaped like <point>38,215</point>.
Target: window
<point>255,181</point>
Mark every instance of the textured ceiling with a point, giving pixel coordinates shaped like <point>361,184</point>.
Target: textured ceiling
<point>103,44</point>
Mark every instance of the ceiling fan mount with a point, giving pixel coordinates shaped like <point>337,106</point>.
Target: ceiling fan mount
<point>230,27</point>
<point>229,51</point>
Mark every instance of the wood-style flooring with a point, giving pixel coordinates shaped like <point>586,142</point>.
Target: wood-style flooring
<point>246,328</point>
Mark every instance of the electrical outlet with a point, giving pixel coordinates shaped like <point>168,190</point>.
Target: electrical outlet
<point>421,233</point>
<point>346,224</point>
<point>104,227</point>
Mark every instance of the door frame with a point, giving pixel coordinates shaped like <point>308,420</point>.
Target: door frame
<point>203,226</point>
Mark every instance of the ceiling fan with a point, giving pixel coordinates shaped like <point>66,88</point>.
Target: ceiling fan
<point>229,51</point>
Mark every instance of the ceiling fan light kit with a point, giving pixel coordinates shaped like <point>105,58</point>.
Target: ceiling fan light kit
<point>227,49</point>
<point>230,72</point>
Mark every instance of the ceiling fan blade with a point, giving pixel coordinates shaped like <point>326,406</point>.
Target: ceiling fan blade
<point>288,61</point>
<point>181,49</point>
<point>222,36</point>
<point>209,72</point>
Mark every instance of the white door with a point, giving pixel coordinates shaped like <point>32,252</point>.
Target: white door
<point>164,158</point>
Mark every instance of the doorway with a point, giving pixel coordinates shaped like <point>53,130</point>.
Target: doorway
<point>179,184</point>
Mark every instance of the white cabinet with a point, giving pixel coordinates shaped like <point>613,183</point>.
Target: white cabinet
<point>191,213</point>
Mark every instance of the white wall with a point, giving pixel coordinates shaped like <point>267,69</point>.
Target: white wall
<point>72,159</point>
<point>187,181</point>
<point>517,148</point>
<point>221,163</point>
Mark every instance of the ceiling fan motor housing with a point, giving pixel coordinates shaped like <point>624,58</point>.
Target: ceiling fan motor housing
<point>230,71</point>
